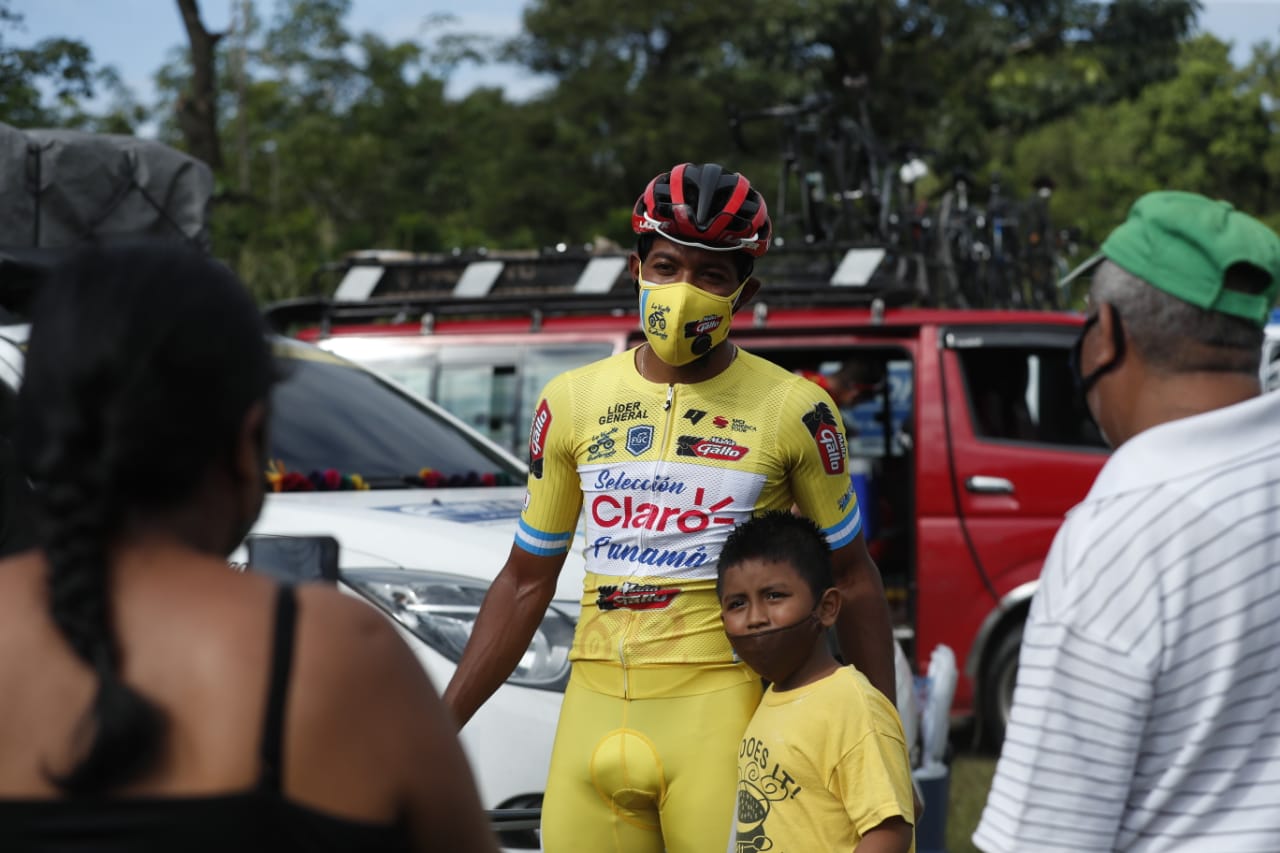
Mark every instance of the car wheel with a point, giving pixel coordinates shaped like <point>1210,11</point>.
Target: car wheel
<point>999,678</point>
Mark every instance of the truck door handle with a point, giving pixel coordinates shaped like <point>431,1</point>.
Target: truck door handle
<point>980,484</point>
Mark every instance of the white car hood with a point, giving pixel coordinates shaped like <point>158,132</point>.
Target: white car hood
<point>464,532</point>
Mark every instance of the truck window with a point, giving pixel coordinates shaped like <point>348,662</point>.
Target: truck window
<point>1026,394</point>
<point>482,395</point>
<point>542,363</point>
<point>884,394</point>
<point>873,387</point>
<point>493,387</point>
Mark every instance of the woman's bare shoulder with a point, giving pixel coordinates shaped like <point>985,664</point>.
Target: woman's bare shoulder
<point>23,589</point>
<point>329,616</point>
<point>361,707</point>
<point>24,567</point>
<point>342,641</point>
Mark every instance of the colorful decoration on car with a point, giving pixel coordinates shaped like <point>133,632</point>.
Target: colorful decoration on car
<point>329,480</point>
<point>280,479</point>
<point>430,478</point>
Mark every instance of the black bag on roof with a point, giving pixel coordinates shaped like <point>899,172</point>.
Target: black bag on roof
<point>62,189</point>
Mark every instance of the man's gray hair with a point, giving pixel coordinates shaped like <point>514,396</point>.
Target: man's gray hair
<point>1173,335</point>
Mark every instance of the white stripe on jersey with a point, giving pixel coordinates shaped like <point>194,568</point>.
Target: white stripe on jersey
<point>662,518</point>
<point>843,534</point>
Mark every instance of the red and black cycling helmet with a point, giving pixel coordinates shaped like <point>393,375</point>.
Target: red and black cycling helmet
<point>707,207</point>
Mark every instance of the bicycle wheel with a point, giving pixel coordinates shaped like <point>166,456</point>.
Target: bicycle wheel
<point>948,293</point>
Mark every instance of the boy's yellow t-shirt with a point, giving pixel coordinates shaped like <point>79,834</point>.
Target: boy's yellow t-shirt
<point>819,766</point>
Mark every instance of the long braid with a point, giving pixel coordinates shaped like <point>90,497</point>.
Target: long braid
<point>120,733</point>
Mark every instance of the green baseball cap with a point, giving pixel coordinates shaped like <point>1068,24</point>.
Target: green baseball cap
<point>1183,243</point>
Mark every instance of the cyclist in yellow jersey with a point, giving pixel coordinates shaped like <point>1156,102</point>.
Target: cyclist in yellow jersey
<point>664,449</point>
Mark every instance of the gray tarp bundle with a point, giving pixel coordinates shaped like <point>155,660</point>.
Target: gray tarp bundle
<point>68,188</point>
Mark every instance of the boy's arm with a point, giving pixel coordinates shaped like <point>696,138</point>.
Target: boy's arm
<point>873,778</point>
<point>892,836</point>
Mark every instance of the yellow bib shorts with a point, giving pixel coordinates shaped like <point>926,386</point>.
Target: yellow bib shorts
<point>651,774</point>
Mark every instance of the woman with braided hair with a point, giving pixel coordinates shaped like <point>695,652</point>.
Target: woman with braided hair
<point>150,698</point>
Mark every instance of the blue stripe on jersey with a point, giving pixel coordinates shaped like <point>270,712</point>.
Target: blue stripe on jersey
<point>542,544</point>
<point>845,530</point>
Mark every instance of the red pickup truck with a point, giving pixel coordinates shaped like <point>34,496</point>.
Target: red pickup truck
<point>967,450</point>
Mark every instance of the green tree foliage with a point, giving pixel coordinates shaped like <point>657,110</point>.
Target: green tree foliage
<point>49,82</point>
<point>638,88</point>
<point>335,141</point>
<point>1212,129</point>
<point>654,81</point>
<point>348,143</point>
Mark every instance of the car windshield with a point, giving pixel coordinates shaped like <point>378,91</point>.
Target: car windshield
<point>338,426</point>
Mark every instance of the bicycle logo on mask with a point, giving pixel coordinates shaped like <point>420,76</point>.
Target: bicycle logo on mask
<point>657,318</point>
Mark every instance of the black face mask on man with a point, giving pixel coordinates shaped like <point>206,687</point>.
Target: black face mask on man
<point>1084,384</point>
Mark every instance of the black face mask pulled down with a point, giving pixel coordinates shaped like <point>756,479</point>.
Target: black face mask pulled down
<point>777,653</point>
<point>1084,384</point>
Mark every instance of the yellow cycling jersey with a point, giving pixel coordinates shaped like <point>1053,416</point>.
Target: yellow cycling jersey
<point>664,472</point>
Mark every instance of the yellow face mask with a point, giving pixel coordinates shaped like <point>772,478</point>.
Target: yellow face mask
<point>682,322</point>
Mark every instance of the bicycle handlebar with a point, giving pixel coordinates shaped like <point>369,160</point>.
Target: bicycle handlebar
<point>781,112</point>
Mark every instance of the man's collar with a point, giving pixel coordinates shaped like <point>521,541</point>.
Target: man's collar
<point>1197,443</point>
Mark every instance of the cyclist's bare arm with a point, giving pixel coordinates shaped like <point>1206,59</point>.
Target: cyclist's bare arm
<point>863,627</point>
<point>510,614</point>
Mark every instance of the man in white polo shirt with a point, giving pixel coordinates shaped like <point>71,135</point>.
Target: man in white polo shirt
<point>1147,711</point>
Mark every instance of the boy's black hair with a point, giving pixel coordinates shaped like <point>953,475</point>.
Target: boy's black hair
<point>779,536</point>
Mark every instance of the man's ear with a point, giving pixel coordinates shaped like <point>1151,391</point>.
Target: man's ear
<point>633,267</point>
<point>1102,348</point>
<point>828,607</point>
<point>749,290</point>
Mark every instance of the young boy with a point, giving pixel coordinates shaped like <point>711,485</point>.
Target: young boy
<point>823,763</point>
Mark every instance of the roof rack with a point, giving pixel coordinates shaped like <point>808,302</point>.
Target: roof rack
<point>287,315</point>
<point>390,287</point>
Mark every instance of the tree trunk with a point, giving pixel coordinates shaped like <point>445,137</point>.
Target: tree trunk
<point>198,106</point>
<point>240,17</point>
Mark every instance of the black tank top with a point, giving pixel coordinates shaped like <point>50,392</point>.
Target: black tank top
<point>261,818</point>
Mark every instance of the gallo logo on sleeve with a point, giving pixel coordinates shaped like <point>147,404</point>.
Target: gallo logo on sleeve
<point>538,438</point>
<point>821,424</point>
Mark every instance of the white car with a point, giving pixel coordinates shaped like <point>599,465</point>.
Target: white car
<point>423,555</point>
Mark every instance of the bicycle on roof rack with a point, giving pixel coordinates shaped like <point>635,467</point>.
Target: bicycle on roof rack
<point>801,185</point>
<point>830,172</point>
<point>957,248</point>
<point>1006,253</point>
<point>838,184</point>
<point>288,315</point>
<point>1003,264</point>
<point>1045,263</point>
